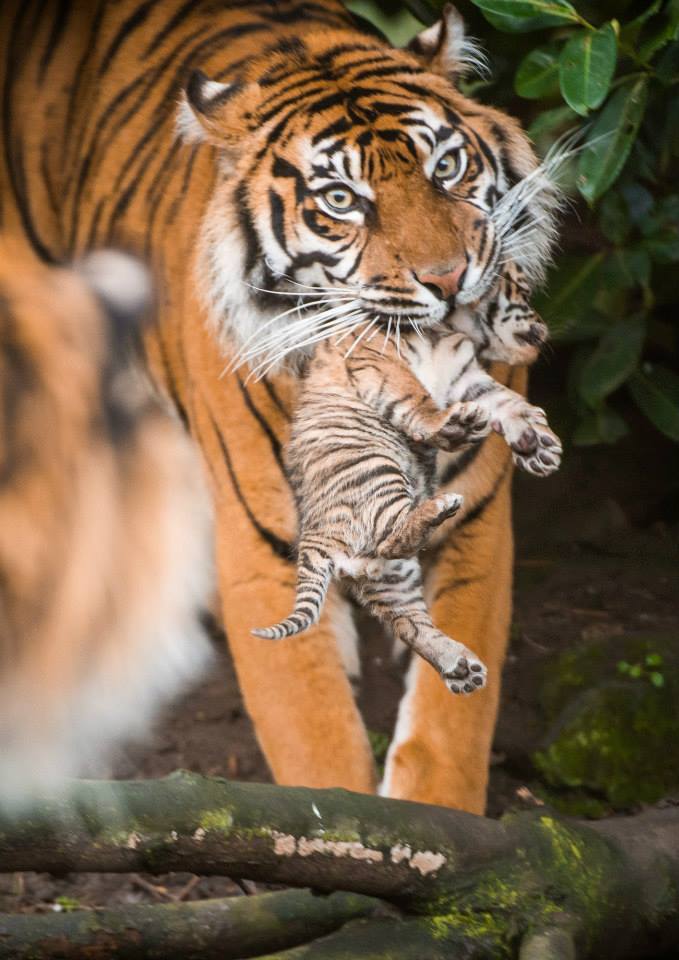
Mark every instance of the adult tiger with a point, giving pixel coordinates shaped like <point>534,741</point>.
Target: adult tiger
<point>319,153</point>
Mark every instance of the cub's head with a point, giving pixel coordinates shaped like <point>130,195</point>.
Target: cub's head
<point>359,187</point>
<point>503,324</point>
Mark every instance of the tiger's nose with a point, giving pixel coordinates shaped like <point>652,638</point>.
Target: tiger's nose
<point>445,284</point>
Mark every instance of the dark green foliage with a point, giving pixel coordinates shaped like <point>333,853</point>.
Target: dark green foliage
<point>611,70</point>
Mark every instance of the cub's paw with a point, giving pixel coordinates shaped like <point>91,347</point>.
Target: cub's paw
<point>535,448</point>
<point>465,674</point>
<point>466,423</point>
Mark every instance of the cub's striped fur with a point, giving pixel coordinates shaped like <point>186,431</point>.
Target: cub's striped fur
<point>361,461</point>
<point>103,524</point>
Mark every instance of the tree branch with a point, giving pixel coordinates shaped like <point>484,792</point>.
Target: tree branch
<point>326,839</point>
<point>225,929</point>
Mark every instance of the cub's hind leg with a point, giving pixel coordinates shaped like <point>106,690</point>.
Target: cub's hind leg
<point>396,599</point>
<point>415,525</point>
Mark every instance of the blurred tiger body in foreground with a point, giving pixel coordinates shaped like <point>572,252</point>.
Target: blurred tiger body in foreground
<point>282,103</point>
<point>103,523</point>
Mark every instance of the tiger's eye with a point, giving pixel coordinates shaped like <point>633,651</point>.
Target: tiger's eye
<point>339,198</point>
<point>448,165</point>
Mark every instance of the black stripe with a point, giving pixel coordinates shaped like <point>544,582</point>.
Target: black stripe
<point>452,585</point>
<point>281,548</point>
<point>60,18</point>
<point>274,442</point>
<point>277,217</point>
<point>247,227</point>
<point>478,510</point>
<point>126,28</point>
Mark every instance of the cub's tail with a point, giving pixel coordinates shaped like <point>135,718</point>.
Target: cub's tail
<point>314,572</point>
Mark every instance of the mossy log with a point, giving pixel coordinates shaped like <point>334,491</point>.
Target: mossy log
<point>533,885</point>
<point>224,929</point>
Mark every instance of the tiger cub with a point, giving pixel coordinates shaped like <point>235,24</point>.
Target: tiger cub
<point>362,454</point>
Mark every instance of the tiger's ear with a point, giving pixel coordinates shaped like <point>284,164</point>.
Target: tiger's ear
<point>446,49</point>
<point>208,111</point>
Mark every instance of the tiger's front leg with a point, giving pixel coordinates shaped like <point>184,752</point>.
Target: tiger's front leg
<point>441,747</point>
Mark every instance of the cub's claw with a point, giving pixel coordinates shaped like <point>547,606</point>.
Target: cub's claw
<point>535,448</point>
<point>466,675</point>
<point>542,456</point>
<point>467,423</point>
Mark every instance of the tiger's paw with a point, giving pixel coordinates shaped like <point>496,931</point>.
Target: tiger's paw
<point>535,448</point>
<point>466,423</point>
<point>465,673</point>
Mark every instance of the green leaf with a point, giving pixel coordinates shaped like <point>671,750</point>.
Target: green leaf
<point>586,68</point>
<point>627,268</point>
<point>653,660</point>
<point>519,16</point>
<point>600,426</point>
<point>550,122</point>
<point>666,30</point>
<point>656,391</point>
<point>623,666</point>
<point>610,139</point>
<point>639,201</point>
<point>614,217</point>
<point>630,32</point>
<point>538,73</point>
<point>614,359</point>
<point>398,25</point>
<point>635,671</point>
<point>572,289</point>
<point>668,64</point>
<point>657,679</point>
<point>661,230</point>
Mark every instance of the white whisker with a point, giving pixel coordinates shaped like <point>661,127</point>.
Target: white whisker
<point>413,322</point>
<point>370,325</point>
<point>270,361</point>
<point>291,331</point>
<point>256,335</point>
<point>386,336</point>
<point>313,290</point>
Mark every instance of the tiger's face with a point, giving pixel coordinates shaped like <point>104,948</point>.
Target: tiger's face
<point>363,187</point>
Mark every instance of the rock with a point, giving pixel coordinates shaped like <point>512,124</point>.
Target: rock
<point>613,714</point>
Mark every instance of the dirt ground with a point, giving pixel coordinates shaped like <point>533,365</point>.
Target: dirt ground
<point>596,556</point>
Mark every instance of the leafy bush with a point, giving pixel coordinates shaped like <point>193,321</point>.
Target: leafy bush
<point>610,69</point>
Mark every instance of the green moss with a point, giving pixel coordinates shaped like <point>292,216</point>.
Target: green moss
<point>219,820</point>
<point>612,736</point>
<point>574,803</point>
<point>498,908</point>
<point>619,741</point>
